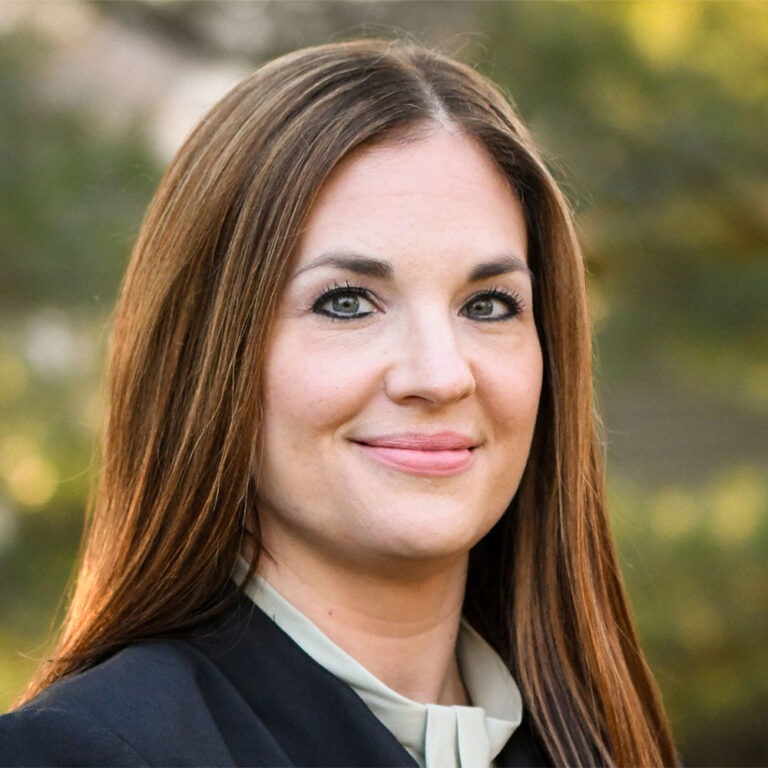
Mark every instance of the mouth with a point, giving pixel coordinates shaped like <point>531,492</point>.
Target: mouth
<point>428,455</point>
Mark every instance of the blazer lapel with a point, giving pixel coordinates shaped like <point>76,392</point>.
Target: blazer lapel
<point>315,718</point>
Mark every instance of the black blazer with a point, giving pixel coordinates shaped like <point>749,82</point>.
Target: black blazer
<point>239,693</point>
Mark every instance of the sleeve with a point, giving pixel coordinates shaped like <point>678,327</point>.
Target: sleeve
<point>51,737</point>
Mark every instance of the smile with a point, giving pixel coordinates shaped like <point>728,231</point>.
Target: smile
<point>437,455</point>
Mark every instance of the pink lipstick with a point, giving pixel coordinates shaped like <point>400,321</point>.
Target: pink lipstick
<point>429,455</point>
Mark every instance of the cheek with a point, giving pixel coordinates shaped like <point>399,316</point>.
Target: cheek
<point>310,386</point>
<point>515,390</point>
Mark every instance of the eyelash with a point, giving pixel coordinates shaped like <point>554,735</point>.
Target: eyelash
<point>513,301</point>
<point>334,290</point>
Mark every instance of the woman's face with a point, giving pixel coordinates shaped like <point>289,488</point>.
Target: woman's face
<point>403,375</point>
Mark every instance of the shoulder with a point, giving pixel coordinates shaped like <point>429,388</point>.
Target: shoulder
<point>235,692</point>
<point>142,706</point>
<point>50,736</point>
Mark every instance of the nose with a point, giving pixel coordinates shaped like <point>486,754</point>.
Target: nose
<point>430,364</point>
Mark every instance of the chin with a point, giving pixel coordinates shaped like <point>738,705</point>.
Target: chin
<point>433,540</point>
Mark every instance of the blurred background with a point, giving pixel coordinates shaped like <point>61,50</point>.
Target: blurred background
<point>654,116</point>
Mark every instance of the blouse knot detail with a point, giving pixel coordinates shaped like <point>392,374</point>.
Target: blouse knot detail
<point>435,735</point>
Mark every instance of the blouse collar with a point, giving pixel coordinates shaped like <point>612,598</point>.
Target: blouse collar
<point>434,734</point>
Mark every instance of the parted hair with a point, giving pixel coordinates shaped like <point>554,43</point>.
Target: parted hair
<point>176,491</point>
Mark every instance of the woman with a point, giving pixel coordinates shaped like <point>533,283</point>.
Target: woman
<point>351,361</point>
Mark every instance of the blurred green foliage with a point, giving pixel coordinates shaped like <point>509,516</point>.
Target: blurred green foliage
<point>71,200</point>
<point>654,116</point>
<point>70,195</point>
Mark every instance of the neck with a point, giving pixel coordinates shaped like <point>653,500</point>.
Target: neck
<point>402,630</point>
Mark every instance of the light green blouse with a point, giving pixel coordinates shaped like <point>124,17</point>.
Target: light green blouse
<point>436,736</point>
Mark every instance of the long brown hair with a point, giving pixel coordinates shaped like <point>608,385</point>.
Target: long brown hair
<point>176,491</point>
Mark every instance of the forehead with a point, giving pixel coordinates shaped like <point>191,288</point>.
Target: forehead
<point>441,190</point>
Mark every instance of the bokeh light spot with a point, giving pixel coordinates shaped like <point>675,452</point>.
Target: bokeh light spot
<point>30,477</point>
<point>739,504</point>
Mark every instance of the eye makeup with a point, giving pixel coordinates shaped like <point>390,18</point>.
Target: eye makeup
<point>493,305</point>
<point>344,302</point>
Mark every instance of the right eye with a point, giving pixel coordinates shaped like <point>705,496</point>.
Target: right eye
<point>344,303</point>
<point>493,305</point>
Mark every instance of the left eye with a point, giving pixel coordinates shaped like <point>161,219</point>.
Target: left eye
<point>344,303</point>
<point>492,305</point>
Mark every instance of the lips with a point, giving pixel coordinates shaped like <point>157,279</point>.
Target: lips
<point>429,455</point>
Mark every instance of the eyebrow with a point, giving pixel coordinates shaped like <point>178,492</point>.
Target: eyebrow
<point>500,266</point>
<point>360,265</point>
<point>383,270</point>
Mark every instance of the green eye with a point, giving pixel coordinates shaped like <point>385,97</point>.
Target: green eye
<point>481,308</point>
<point>493,305</point>
<point>344,303</point>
